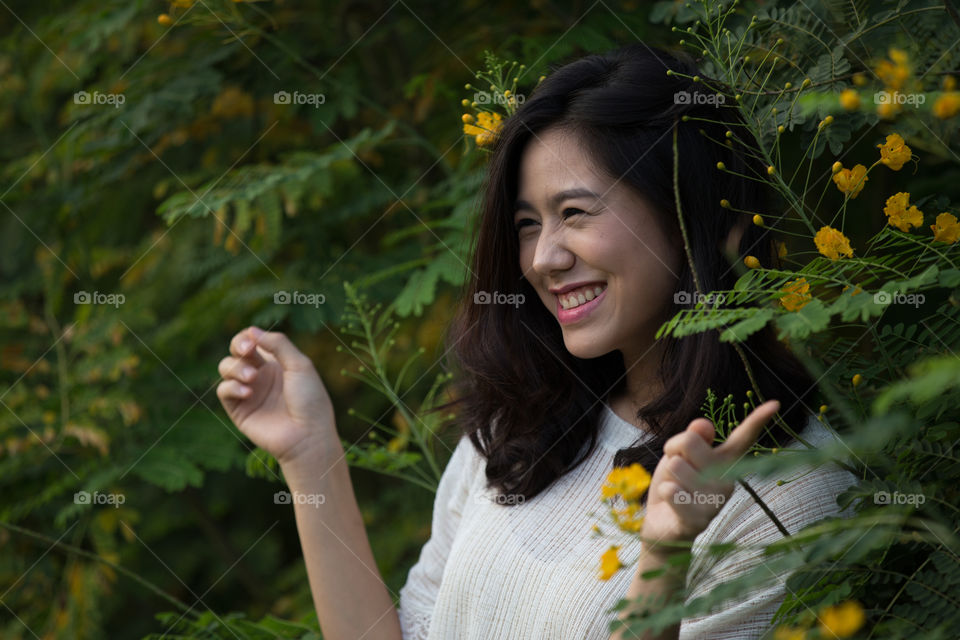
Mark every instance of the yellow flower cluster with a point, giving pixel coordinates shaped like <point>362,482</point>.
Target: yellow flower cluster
<point>484,128</point>
<point>630,483</point>
<point>894,153</point>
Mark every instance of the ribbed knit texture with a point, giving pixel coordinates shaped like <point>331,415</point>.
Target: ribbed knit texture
<point>496,572</point>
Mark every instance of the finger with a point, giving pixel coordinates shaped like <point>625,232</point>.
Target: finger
<point>232,390</point>
<point>237,368</point>
<point>243,345</point>
<point>747,432</point>
<point>703,428</point>
<point>692,447</point>
<point>279,345</point>
<point>680,471</point>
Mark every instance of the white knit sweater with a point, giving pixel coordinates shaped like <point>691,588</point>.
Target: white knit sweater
<point>497,572</point>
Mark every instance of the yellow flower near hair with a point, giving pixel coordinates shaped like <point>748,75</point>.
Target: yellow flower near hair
<point>609,563</point>
<point>899,215</point>
<point>894,153</point>
<point>842,620</point>
<point>486,128</point>
<point>628,482</point>
<point>796,294</point>
<point>851,181</point>
<point>946,229</point>
<point>832,243</point>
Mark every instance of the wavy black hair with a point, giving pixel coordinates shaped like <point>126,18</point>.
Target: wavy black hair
<point>528,405</point>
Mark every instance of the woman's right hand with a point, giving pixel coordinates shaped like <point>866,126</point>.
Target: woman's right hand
<point>274,395</point>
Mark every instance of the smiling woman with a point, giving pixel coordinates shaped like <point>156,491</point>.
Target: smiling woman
<point>580,218</point>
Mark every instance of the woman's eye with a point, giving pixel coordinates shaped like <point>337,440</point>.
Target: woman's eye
<point>569,211</point>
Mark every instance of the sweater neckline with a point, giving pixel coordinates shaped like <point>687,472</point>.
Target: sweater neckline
<point>616,433</point>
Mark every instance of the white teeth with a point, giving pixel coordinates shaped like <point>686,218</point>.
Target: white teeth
<point>571,300</point>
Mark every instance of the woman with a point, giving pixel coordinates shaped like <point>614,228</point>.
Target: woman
<point>579,219</point>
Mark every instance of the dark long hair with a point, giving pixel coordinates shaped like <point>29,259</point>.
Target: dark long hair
<point>528,405</point>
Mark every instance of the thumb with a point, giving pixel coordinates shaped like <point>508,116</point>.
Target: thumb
<point>280,347</point>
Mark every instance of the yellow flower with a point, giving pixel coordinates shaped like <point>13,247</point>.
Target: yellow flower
<point>486,129</point>
<point>894,152</point>
<point>164,19</point>
<point>832,243</point>
<point>851,181</point>
<point>628,519</point>
<point>857,379</point>
<point>629,482</point>
<point>893,74</point>
<point>609,563</point>
<point>947,105</point>
<point>758,220</point>
<point>887,110</point>
<point>899,215</point>
<point>796,294</point>
<point>841,620</point>
<point>946,229</point>
<point>751,262</point>
<point>782,249</point>
<point>850,99</point>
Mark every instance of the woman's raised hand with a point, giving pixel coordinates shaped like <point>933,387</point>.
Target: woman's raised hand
<point>274,395</point>
<point>680,503</point>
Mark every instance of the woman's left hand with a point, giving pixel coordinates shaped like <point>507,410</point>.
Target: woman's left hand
<point>680,503</point>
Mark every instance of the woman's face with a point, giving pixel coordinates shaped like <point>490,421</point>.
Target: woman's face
<point>577,226</point>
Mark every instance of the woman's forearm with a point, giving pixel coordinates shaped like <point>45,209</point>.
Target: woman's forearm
<point>349,594</point>
<point>659,587</point>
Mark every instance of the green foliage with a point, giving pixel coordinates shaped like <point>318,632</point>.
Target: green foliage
<point>879,330</point>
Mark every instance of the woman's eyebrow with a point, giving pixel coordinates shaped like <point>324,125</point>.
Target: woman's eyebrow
<point>560,196</point>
